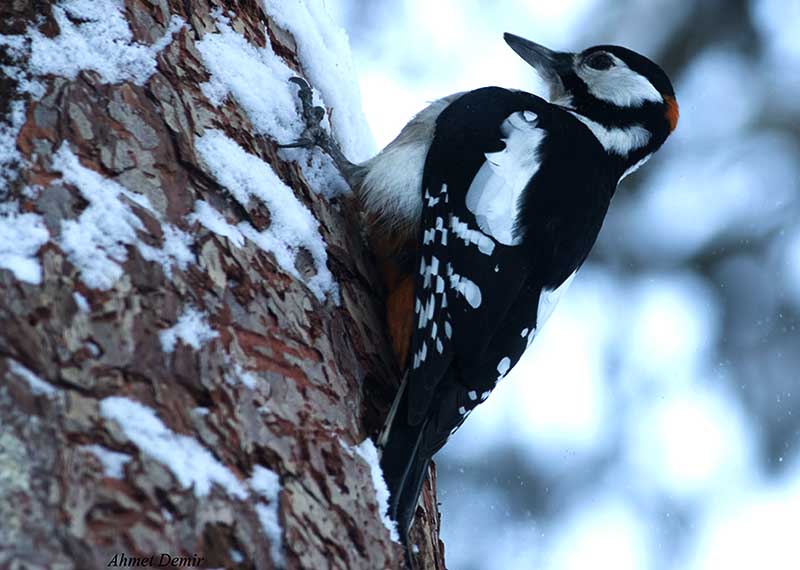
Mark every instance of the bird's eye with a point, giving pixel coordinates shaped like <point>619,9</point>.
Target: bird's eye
<point>600,61</point>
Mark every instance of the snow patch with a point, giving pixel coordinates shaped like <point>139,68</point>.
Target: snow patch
<point>96,242</point>
<point>267,484</point>
<point>10,157</point>
<point>17,52</point>
<point>292,226</point>
<point>319,171</point>
<point>245,72</point>
<point>215,222</point>
<point>192,328</point>
<point>37,385</point>
<point>81,302</point>
<point>366,450</point>
<point>240,375</point>
<point>324,51</point>
<point>113,461</point>
<point>21,236</point>
<point>192,464</point>
<point>94,35</point>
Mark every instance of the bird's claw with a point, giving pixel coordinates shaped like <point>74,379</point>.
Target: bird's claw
<point>313,134</point>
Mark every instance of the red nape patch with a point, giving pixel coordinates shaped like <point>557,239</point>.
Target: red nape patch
<point>673,112</point>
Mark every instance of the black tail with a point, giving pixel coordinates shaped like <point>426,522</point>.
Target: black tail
<point>404,463</point>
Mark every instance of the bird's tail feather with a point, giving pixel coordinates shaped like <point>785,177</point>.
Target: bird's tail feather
<point>404,462</point>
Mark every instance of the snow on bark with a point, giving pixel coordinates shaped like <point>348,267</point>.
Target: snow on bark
<point>176,374</point>
<point>292,226</point>
<point>367,451</point>
<point>191,329</point>
<point>94,35</point>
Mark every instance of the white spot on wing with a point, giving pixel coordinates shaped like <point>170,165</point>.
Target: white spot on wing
<point>462,230</point>
<point>503,367</point>
<point>466,287</point>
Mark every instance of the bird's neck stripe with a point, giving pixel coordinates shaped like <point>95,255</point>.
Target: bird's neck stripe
<point>620,141</point>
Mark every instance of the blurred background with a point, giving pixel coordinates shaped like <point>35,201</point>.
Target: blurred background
<point>655,422</point>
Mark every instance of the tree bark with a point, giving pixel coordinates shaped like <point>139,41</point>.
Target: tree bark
<point>281,381</point>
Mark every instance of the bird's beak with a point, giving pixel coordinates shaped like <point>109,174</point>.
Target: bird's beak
<point>551,65</point>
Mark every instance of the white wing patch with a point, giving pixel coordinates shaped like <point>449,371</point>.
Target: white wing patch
<point>495,192</point>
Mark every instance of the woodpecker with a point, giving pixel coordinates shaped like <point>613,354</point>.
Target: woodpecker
<point>480,213</point>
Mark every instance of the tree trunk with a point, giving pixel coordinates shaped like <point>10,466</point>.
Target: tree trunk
<point>181,374</point>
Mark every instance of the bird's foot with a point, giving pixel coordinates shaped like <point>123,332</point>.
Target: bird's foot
<point>315,136</point>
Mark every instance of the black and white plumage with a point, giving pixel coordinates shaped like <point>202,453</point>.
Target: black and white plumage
<point>513,194</point>
<point>483,209</point>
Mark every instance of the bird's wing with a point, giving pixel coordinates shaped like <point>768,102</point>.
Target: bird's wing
<point>478,280</point>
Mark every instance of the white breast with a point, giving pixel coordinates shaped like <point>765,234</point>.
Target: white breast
<point>494,195</point>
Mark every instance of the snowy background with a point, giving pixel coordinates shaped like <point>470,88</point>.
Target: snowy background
<point>652,424</point>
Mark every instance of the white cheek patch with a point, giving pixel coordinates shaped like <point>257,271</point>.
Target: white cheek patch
<point>493,197</point>
<point>616,140</point>
<point>619,84</point>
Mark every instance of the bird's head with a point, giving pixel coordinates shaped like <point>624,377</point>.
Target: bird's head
<point>623,97</point>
